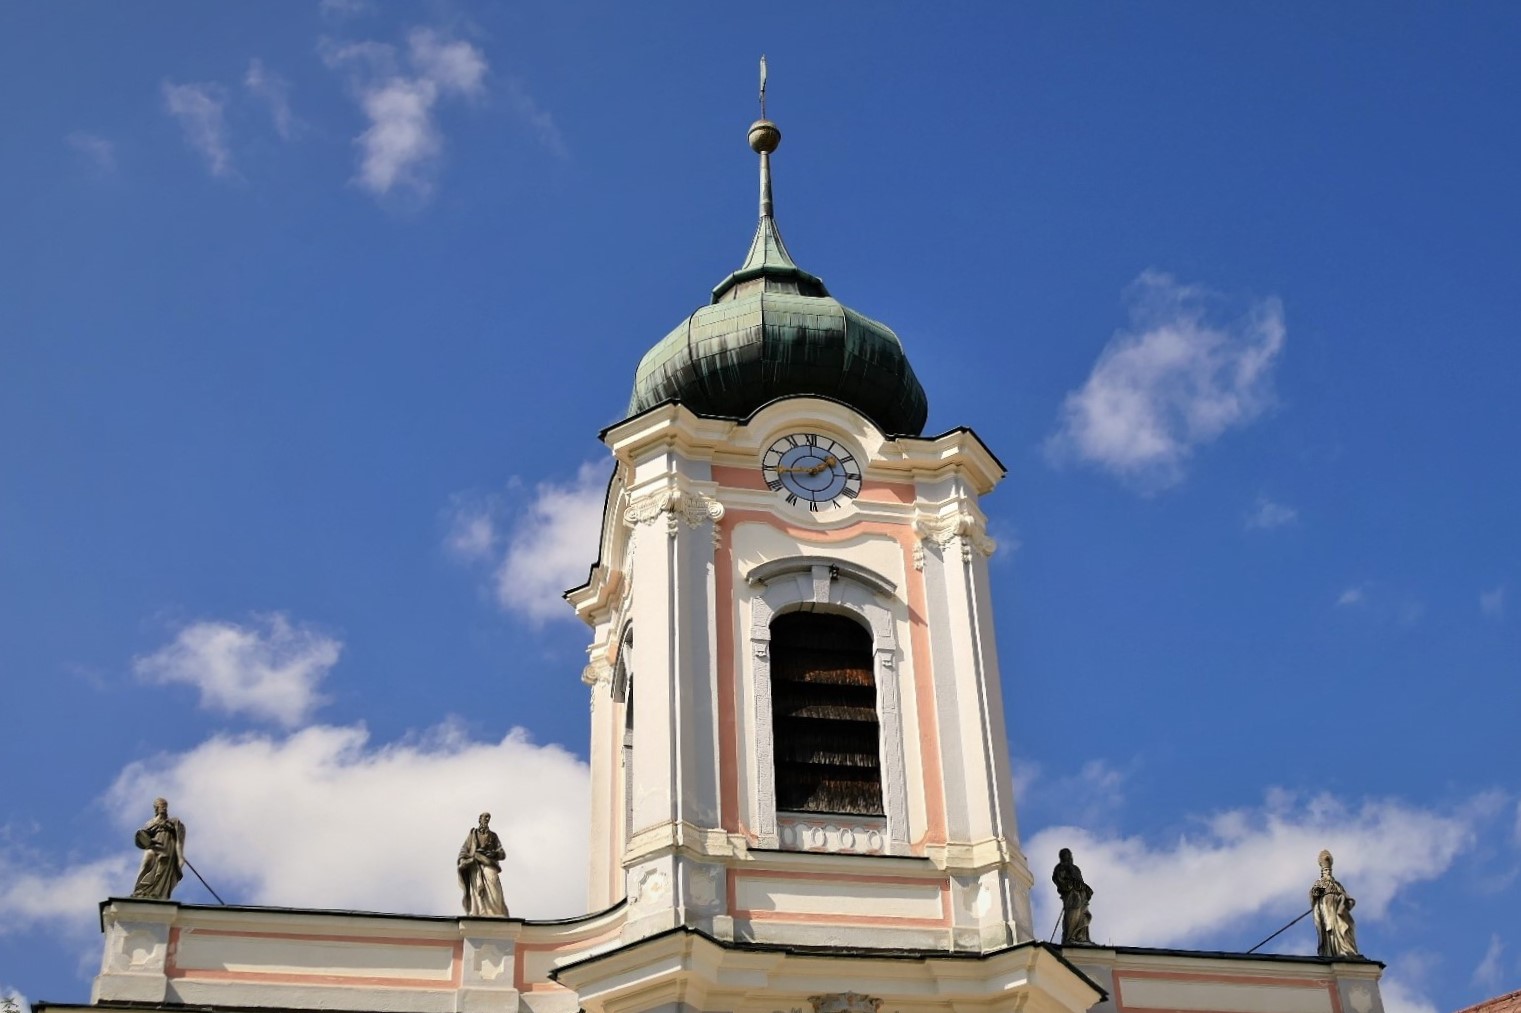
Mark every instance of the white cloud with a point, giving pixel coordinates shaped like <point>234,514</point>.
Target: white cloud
<point>547,546</point>
<point>403,144</point>
<point>1266,514</point>
<point>402,137</point>
<point>454,66</point>
<point>1250,863</point>
<point>325,818</point>
<point>15,995</point>
<point>199,110</point>
<point>1354,595</point>
<point>37,894</point>
<point>268,670</point>
<point>1171,383</point>
<point>473,533</point>
<point>274,91</point>
<point>98,151</point>
<point>1401,997</point>
<point>553,546</point>
<point>1492,602</point>
<point>1491,969</point>
<point>322,818</point>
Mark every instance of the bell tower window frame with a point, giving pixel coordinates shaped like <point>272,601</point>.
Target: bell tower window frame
<point>808,583</point>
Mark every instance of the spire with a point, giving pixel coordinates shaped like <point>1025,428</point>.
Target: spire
<point>768,255</point>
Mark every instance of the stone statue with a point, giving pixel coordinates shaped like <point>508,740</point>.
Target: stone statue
<point>1335,931</point>
<point>163,842</point>
<point>1075,895</point>
<point>480,871</point>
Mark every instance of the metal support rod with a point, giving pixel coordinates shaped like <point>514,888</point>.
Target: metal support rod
<point>1280,932</point>
<point>204,883</point>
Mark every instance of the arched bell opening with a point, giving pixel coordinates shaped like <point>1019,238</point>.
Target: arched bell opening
<point>827,739</point>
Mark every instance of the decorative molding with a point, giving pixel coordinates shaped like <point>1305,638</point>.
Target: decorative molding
<point>832,834</point>
<point>141,950</point>
<point>492,961</point>
<point>675,505</point>
<point>704,884</point>
<point>649,888</point>
<point>775,569</point>
<point>597,673</point>
<point>845,1002</point>
<point>943,529</point>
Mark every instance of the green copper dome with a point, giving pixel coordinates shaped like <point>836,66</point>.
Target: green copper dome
<point>772,330</point>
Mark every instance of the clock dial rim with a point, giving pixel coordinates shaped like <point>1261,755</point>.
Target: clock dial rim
<point>812,468</point>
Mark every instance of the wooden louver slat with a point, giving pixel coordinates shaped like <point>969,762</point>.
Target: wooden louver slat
<point>827,740</point>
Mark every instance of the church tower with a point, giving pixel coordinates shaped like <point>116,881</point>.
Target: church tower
<point>799,767</point>
<point>797,716</point>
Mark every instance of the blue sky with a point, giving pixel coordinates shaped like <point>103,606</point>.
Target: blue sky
<point>312,313</point>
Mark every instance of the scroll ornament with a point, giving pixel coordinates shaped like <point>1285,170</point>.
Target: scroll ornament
<point>947,528</point>
<point>676,505</point>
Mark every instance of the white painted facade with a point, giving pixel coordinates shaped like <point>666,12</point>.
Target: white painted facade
<point>697,557</point>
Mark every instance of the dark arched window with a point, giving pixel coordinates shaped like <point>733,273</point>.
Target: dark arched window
<point>824,716</point>
<point>623,690</point>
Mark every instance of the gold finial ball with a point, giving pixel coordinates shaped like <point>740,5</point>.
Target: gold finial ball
<point>764,137</point>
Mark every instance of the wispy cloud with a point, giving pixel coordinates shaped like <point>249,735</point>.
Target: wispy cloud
<point>1266,515</point>
<point>99,152</point>
<point>270,669</point>
<point>544,548</point>
<point>538,119</point>
<point>274,91</point>
<point>403,144</point>
<point>1491,969</point>
<point>1093,796</point>
<point>1354,595</point>
<point>199,109</point>
<point>1492,602</point>
<point>1173,382</point>
<point>1252,862</point>
<point>473,534</point>
<point>339,10</point>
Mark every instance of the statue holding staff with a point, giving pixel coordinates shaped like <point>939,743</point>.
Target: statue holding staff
<point>163,842</point>
<point>1075,895</point>
<point>1336,933</point>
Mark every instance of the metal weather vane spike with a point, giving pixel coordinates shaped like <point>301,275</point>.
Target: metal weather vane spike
<point>763,86</point>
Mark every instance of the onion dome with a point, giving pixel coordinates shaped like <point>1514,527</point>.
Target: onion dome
<point>772,330</point>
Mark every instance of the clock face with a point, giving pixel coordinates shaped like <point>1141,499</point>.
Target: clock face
<point>812,469</point>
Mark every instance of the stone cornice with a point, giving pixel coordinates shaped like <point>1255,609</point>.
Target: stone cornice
<point>688,966</point>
